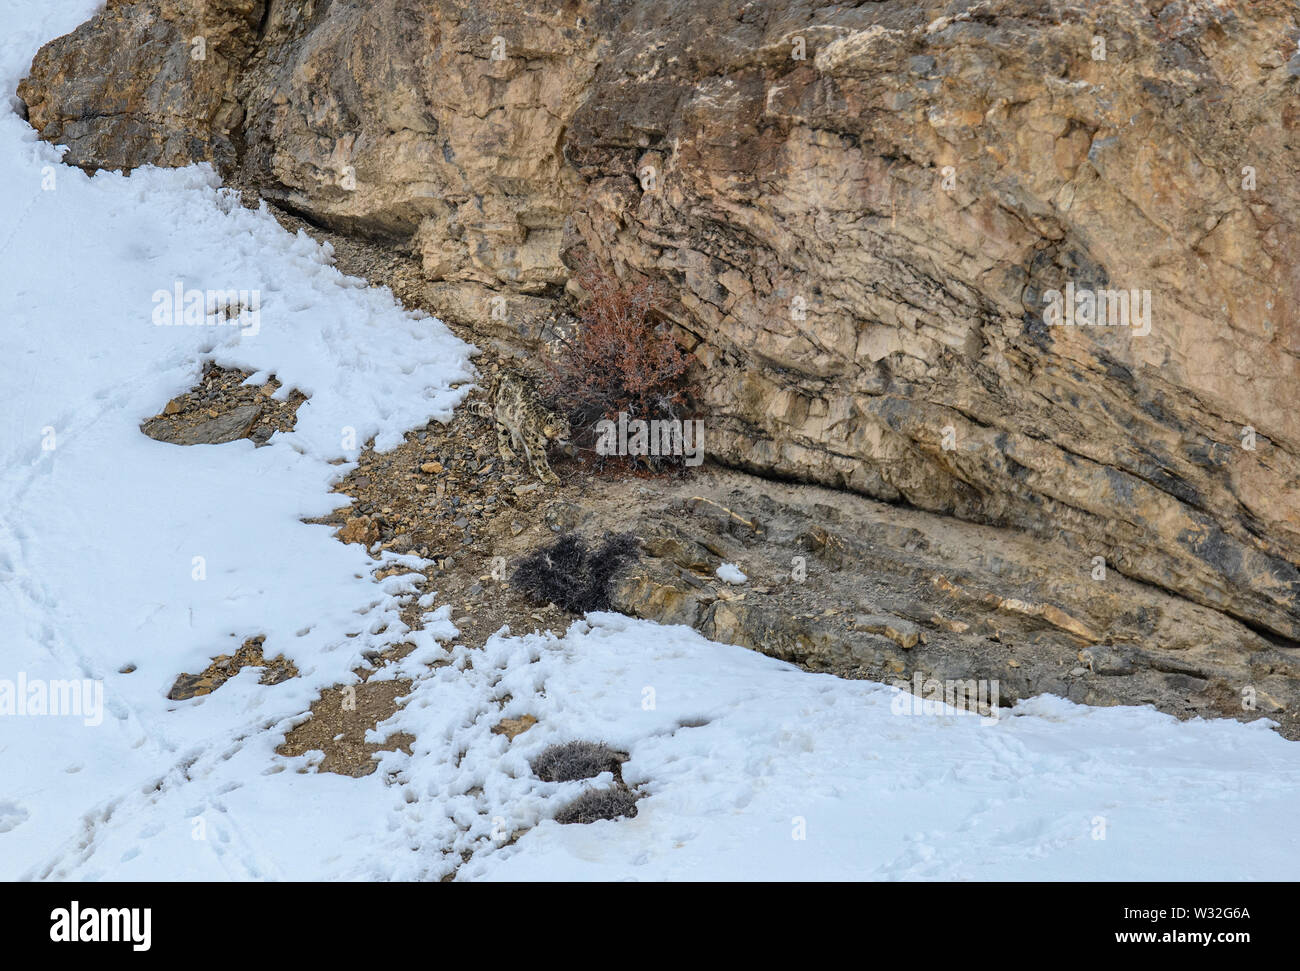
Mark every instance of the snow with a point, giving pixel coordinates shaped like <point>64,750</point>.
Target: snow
<point>117,550</point>
<point>730,573</point>
<point>740,750</point>
<point>746,767</point>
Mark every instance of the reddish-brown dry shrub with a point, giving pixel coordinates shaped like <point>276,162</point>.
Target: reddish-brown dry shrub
<point>619,359</point>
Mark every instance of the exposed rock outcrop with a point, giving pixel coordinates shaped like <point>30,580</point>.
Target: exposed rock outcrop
<point>864,590</point>
<point>146,84</point>
<point>223,408</point>
<point>856,213</point>
<point>836,582</point>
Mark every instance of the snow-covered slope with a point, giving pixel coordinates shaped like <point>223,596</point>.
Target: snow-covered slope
<point>102,526</point>
<point>747,767</point>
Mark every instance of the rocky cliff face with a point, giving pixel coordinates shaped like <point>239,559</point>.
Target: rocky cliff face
<point>860,215</point>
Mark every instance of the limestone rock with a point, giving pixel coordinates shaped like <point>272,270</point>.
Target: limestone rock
<point>360,529</point>
<point>513,727</point>
<point>146,83</point>
<point>230,427</point>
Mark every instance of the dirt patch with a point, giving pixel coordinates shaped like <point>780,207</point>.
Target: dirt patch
<point>445,495</point>
<point>339,721</point>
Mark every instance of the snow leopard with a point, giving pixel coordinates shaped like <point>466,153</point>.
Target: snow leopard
<point>525,428</point>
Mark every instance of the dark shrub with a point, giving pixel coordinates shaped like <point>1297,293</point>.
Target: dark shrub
<point>569,575</point>
<point>576,760</point>
<point>597,804</point>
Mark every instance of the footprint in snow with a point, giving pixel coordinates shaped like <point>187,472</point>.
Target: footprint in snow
<point>11,815</point>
